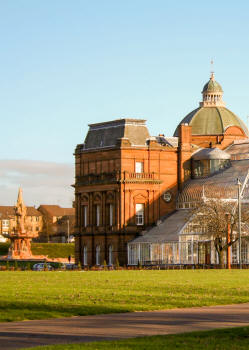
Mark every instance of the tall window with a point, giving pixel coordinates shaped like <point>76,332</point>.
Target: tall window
<point>98,255</point>
<point>111,214</point>
<point>110,259</point>
<point>139,167</point>
<point>139,214</point>
<point>85,255</point>
<point>85,212</point>
<point>97,215</point>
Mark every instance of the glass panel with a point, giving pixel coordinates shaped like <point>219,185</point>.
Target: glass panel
<point>139,167</point>
<point>139,214</point>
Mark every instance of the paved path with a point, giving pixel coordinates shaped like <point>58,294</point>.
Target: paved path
<point>17,335</point>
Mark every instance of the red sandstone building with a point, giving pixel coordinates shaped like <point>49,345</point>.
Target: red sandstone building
<point>128,182</point>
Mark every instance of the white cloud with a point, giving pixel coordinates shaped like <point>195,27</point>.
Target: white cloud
<point>42,182</point>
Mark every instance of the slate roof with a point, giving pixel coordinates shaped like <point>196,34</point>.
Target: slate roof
<point>102,135</point>
<point>167,141</point>
<point>168,230</point>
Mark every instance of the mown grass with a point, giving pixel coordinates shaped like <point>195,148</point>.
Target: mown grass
<point>222,339</point>
<point>52,250</point>
<point>27,295</point>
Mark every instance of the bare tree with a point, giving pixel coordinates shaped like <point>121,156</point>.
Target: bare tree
<point>214,216</point>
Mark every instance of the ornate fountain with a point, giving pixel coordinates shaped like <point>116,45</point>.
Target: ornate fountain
<point>20,237</point>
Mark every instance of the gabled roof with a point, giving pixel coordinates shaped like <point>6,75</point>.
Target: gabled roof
<point>8,211</point>
<point>56,210</point>
<point>168,230</point>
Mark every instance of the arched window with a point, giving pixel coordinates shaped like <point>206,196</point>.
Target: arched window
<point>98,255</point>
<point>110,255</point>
<point>85,255</point>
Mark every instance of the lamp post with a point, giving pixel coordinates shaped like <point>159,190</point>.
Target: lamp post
<point>67,230</point>
<point>239,219</point>
<point>228,217</point>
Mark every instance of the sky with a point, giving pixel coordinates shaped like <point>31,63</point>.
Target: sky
<point>65,64</point>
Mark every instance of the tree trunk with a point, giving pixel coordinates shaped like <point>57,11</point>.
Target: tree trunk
<point>221,259</point>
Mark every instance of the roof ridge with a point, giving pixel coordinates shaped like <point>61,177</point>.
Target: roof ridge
<point>223,129</point>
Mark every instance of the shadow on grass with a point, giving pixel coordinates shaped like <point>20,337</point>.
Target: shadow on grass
<point>17,311</point>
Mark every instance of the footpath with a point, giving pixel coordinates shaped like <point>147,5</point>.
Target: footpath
<point>18,335</point>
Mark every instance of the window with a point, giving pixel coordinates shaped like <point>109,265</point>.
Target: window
<point>85,255</point>
<point>111,214</point>
<point>5,223</point>
<point>139,167</point>
<point>85,212</point>
<point>139,214</point>
<point>37,219</point>
<point>235,254</point>
<point>97,215</point>
<point>98,255</point>
<point>110,255</point>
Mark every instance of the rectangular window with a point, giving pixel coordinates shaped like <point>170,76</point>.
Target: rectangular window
<point>111,214</point>
<point>139,214</point>
<point>139,167</point>
<point>97,215</point>
<point>37,219</point>
<point>97,255</point>
<point>85,256</point>
<point>85,215</point>
<point>5,223</point>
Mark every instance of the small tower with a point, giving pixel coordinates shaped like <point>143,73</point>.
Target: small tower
<point>21,211</point>
<point>20,238</point>
<point>212,94</point>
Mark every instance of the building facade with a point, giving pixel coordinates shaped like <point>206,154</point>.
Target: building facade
<point>58,223</point>
<point>128,183</point>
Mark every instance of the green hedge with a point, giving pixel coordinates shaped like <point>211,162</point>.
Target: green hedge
<point>52,250</point>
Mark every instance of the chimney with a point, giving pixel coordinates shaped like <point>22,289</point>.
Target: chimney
<point>184,154</point>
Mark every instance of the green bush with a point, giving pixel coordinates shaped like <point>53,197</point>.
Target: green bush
<point>4,247</point>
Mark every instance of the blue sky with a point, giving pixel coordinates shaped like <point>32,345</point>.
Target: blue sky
<point>64,64</point>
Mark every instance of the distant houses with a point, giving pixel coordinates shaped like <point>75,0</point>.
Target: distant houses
<point>52,222</point>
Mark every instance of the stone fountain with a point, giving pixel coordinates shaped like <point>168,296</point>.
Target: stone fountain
<point>20,238</point>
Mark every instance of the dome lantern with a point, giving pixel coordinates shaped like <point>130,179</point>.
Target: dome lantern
<point>212,94</point>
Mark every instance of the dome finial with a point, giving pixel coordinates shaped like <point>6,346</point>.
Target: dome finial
<point>212,70</point>
<point>212,92</point>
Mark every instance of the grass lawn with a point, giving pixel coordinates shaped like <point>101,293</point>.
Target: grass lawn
<point>27,295</point>
<point>222,339</point>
